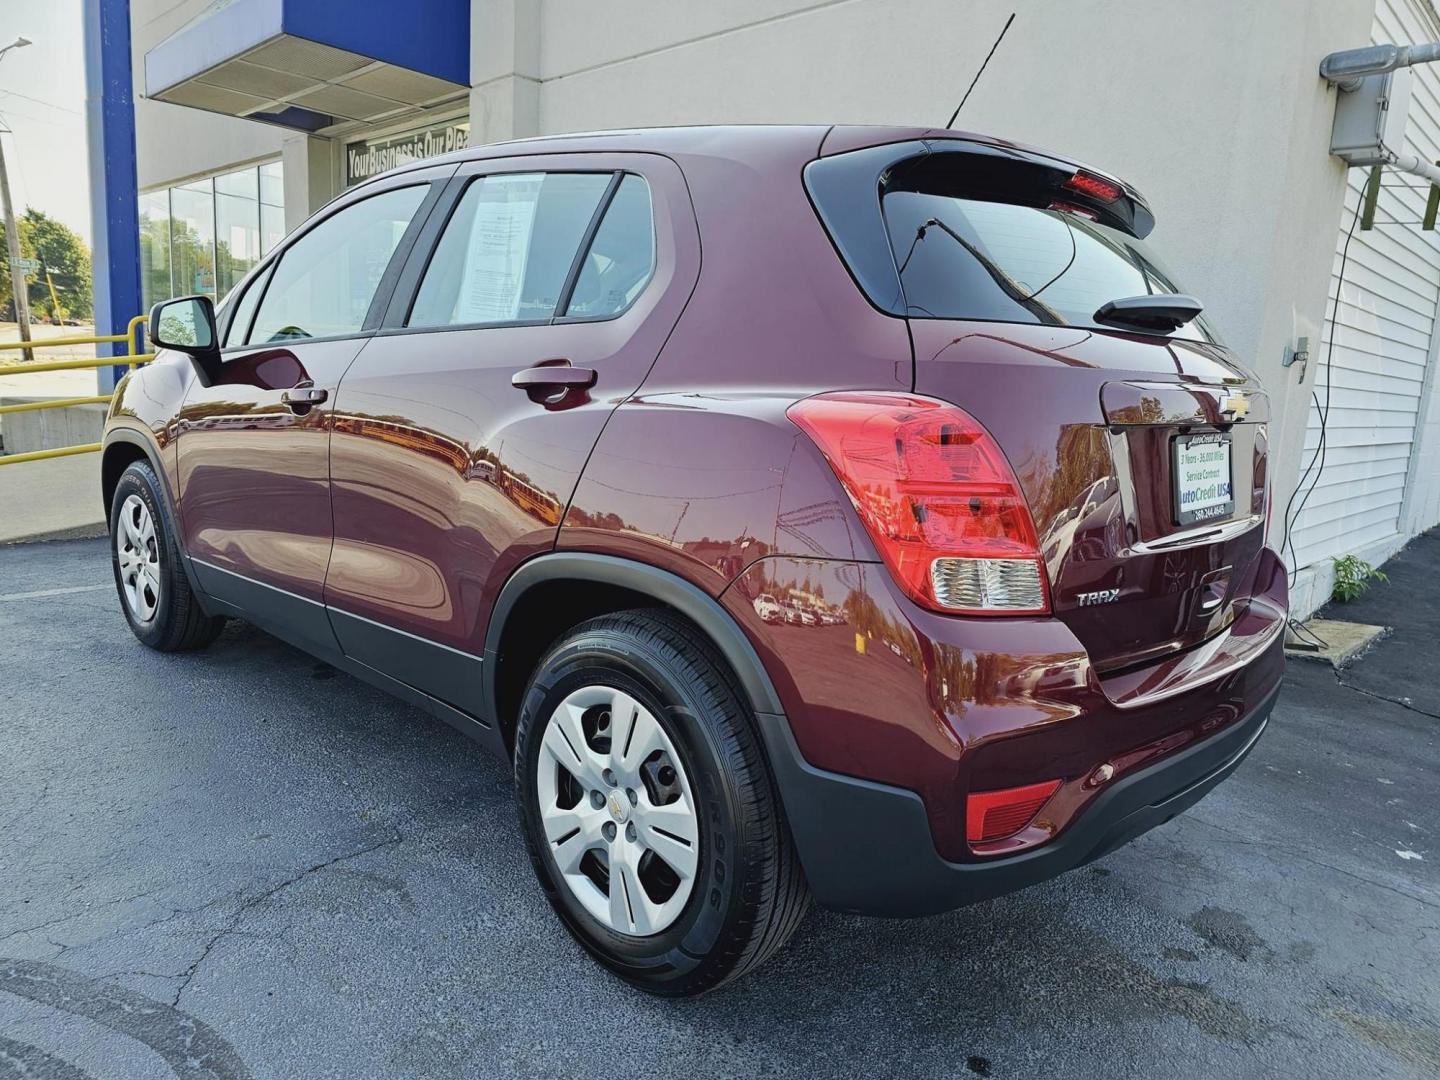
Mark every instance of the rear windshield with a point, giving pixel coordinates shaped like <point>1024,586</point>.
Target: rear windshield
<point>976,259</point>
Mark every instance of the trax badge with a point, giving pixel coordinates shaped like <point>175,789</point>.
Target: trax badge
<point>1100,596</point>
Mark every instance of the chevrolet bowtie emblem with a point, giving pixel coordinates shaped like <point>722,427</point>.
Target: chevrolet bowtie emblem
<point>1234,407</point>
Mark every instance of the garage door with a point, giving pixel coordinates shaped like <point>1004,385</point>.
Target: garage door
<point>1383,328</point>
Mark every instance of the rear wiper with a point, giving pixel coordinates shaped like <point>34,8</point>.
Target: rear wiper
<point>1164,312</point>
<point>1008,285</point>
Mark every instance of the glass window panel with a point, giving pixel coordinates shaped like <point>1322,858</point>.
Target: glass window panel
<point>244,183</point>
<point>192,239</point>
<point>1012,262</point>
<point>272,184</point>
<point>155,248</point>
<point>621,259</point>
<point>245,309</point>
<point>326,280</point>
<point>272,226</point>
<point>507,249</point>
<point>237,227</point>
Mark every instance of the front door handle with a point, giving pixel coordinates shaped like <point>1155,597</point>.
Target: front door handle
<point>548,383</point>
<point>303,397</point>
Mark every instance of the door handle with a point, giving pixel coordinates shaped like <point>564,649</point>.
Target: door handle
<point>304,396</point>
<point>548,383</point>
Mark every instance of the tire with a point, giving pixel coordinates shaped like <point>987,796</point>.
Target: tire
<point>745,894</point>
<point>155,594</point>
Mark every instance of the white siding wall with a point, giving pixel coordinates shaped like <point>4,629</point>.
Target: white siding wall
<point>1381,366</point>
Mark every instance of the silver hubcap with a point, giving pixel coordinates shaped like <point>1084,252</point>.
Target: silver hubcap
<point>618,811</point>
<point>139,555</point>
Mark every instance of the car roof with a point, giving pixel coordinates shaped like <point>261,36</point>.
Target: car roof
<point>721,140</point>
<point>739,142</point>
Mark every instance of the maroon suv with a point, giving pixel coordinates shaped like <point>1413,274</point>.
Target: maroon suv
<point>852,512</point>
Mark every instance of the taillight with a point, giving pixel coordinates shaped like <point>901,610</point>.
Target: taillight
<point>994,815</point>
<point>937,497</point>
<point>1094,186</point>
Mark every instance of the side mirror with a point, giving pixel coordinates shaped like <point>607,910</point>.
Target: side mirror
<point>186,324</point>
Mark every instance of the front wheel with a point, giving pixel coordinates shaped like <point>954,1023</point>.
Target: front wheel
<point>651,817</point>
<point>161,608</point>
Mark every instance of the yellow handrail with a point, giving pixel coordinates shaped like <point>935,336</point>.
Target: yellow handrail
<point>132,358</point>
<point>53,403</point>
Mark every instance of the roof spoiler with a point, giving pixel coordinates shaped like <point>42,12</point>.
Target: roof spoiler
<point>847,187</point>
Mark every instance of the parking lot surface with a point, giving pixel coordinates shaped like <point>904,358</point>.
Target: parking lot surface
<point>239,863</point>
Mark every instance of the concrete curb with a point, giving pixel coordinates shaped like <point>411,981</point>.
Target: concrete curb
<point>73,532</point>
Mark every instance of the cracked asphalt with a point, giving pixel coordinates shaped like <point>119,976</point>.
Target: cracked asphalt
<point>240,864</point>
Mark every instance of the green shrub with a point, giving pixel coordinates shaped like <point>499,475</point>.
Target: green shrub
<point>1353,576</point>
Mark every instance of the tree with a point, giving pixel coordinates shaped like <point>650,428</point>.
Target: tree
<point>62,253</point>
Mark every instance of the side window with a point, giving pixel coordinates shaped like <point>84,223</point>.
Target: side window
<point>622,258</point>
<point>325,281</point>
<point>244,309</point>
<point>507,250</point>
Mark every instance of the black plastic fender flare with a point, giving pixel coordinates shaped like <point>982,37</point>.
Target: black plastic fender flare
<point>674,591</point>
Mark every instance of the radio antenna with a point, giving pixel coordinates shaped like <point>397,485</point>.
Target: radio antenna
<point>975,80</point>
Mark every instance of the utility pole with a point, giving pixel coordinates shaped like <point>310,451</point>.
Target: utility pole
<point>18,285</point>
<point>12,243</point>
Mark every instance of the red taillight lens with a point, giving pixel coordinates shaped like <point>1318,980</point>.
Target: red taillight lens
<point>994,815</point>
<point>1094,186</point>
<point>937,497</point>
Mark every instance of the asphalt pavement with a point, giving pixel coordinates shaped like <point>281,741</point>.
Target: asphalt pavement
<point>239,863</point>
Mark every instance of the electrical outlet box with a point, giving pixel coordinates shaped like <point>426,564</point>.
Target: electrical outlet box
<point>1370,120</point>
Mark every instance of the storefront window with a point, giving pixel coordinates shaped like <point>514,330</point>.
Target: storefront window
<point>192,238</point>
<point>272,205</point>
<point>237,227</point>
<point>155,248</point>
<point>203,237</point>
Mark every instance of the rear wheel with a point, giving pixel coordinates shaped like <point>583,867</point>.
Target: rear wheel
<point>162,610</point>
<point>652,820</point>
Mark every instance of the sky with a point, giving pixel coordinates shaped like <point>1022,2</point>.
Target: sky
<point>42,103</point>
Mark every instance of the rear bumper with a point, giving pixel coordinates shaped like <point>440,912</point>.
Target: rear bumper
<point>867,847</point>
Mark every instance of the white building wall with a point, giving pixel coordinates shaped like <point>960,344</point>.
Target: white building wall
<point>1380,484</point>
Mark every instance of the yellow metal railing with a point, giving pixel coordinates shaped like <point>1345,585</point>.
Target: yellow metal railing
<point>132,358</point>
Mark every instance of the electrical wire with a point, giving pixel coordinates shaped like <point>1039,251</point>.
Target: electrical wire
<point>1318,458</point>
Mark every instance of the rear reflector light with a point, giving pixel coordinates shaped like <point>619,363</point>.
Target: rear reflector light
<point>937,497</point>
<point>994,815</point>
<point>1094,186</point>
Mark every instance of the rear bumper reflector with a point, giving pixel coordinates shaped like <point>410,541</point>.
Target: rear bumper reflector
<point>994,815</point>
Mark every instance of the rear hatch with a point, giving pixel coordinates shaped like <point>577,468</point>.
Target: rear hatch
<point>1139,441</point>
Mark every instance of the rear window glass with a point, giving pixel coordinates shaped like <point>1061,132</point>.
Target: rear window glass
<point>976,259</point>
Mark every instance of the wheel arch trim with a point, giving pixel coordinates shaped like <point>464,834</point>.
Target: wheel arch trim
<point>661,585</point>
<point>151,452</point>
<point>129,437</point>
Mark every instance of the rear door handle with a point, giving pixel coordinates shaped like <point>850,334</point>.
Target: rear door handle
<point>550,382</point>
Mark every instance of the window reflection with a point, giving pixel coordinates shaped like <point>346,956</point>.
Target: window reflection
<point>204,236</point>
